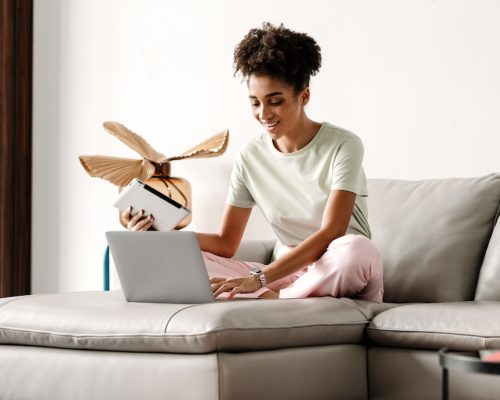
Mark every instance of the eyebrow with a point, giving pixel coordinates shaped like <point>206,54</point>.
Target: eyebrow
<point>267,95</point>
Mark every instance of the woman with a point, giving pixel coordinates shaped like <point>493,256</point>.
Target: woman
<point>306,177</point>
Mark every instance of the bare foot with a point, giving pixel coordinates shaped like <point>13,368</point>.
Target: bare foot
<point>270,294</point>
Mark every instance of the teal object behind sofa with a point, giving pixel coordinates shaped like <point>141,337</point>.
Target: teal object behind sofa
<point>105,271</point>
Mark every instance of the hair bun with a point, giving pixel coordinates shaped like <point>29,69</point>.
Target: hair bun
<point>289,56</point>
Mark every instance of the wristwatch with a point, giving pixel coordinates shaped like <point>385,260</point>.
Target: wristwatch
<point>260,274</point>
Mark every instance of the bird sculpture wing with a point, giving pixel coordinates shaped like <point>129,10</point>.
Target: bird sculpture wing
<point>212,147</point>
<point>134,141</point>
<point>119,171</point>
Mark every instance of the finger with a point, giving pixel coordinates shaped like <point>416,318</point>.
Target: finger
<point>144,224</point>
<point>224,288</point>
<point>217,285</point>
<point>217,280</point>
<point>233,292</point>
<point>139,224</point>
<point>135,218</point>
<point>221,281</point>
<point>148,221</point>
<point>150,227</point>
<point>126,214</point>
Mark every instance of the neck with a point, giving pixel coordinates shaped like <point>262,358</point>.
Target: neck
<point>297,139</point>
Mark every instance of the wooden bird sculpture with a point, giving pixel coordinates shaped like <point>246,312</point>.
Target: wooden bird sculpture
<point>120,171</point>
<point>154,167</point>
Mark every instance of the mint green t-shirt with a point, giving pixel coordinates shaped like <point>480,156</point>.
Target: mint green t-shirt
<point>292,189</point>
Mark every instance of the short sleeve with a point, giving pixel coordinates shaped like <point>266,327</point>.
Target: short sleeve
<point>238,194</point>
<point>347,167</point>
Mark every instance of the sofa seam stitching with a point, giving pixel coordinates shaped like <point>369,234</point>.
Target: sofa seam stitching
<point>487,246</point>
<point>497,216</point>
<point>8,302</point>
<point>157,336</point>
<point>433,332</point>
<point>169,319</point>
<point>367,370</point>
<point>17,298</point>
<point>219,380</point>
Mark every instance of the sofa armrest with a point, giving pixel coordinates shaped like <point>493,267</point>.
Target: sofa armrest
<point>255,250</point>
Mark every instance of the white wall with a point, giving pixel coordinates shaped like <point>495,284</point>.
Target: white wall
<point>418,81</point>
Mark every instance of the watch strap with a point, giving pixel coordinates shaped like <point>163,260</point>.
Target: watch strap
<point>260,274</point>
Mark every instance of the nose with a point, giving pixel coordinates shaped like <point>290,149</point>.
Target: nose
<point>264,113</point>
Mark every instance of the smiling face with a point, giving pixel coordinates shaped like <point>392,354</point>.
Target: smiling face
<point>276,105</point>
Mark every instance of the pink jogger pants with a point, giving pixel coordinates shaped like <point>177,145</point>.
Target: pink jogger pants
<point>350,267</point>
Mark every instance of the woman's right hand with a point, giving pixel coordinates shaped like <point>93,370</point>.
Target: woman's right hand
<point>137,221</point>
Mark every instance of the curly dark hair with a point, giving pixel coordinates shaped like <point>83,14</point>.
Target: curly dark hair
<point>288,56</point>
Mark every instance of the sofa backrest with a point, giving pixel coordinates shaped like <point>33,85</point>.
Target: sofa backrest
<point>432,235</point>
<point>488,286</point>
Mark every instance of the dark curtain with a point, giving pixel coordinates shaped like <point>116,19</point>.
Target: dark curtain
<point>16,43</point>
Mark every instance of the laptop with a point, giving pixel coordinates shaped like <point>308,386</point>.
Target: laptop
<point>160,267</point>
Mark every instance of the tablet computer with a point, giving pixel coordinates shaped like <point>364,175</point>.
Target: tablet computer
<point>166,211</point>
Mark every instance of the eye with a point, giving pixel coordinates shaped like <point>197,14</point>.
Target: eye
<point>254,104</point>
<point>276,102</point>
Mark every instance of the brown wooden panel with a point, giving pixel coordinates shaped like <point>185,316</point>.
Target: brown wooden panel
<point>16,43</point>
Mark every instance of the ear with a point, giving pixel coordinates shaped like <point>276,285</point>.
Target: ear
<point>304,96</point>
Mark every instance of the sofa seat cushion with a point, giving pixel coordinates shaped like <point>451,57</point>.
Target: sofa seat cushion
<point>456,326</point>
<point>105,321</point>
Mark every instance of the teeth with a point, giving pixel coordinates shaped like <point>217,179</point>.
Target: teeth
<point>272,125</point>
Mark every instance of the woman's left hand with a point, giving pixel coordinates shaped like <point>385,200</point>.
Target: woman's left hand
<point>247,284</point>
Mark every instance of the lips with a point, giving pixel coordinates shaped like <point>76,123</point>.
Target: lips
<point>270,125</point>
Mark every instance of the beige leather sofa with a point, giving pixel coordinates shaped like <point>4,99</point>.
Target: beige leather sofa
<point>441,253</point>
